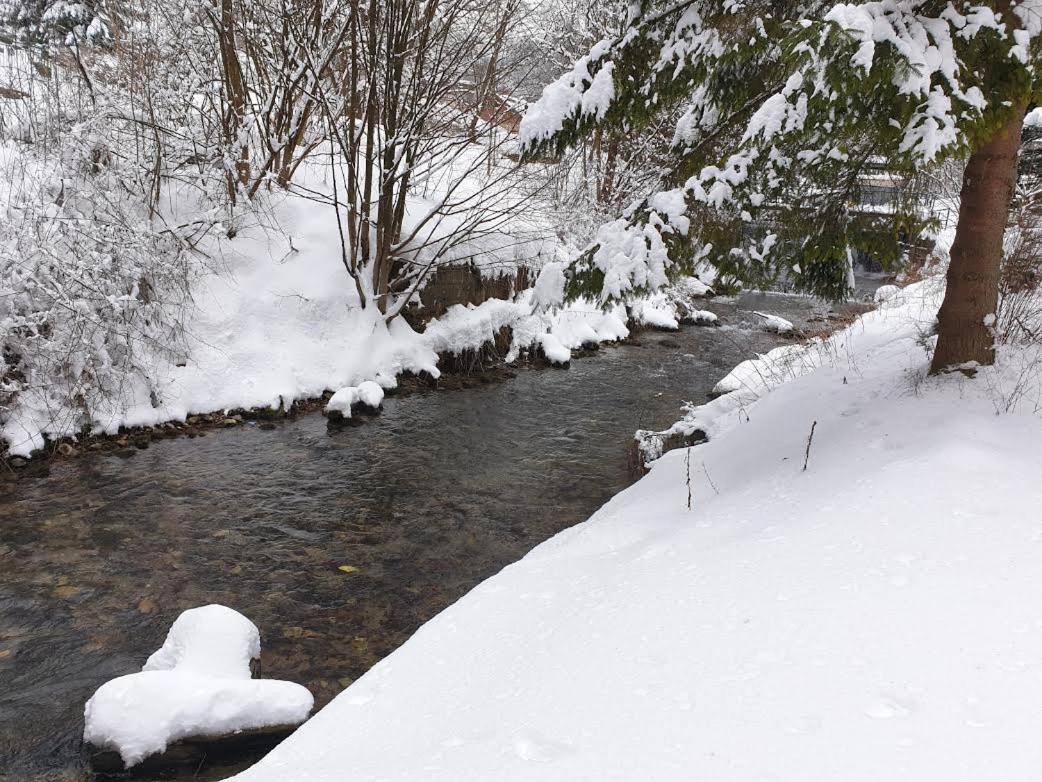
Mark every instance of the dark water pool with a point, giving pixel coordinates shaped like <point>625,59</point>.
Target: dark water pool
<point>98,555</point>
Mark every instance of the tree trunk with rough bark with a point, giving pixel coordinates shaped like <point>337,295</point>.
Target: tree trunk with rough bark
<point>964,333</point>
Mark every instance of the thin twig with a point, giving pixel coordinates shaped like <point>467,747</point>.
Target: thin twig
<point>687,463</point>
<point>810,439</point>
<point>706,471</point>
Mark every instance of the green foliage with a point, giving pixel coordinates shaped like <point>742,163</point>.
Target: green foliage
<point>54,22</point>
<point>788,108</point>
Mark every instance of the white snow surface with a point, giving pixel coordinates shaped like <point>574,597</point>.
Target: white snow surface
<point>197,684</point>
<point>656,310</point>
<point>213,639</point>
<point>759,374</point>
<point>873,617</point>
<point>274,318</point>
<point>554,351</point>
<point>276,323</point>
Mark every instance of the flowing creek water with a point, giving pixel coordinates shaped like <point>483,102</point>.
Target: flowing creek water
<point>99,554</point>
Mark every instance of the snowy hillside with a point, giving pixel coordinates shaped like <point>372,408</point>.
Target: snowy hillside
<point>873,617</point>
<point>271,317</point>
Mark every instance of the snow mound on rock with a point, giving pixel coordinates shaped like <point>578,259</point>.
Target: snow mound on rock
<point>655,311</point>
<point>762,373</point>
<point>555,352</point>
<point>885,293</point>
<point>368,393</point>
<point>774,323</point>
<point>196,685</point>
<point>703,318</point>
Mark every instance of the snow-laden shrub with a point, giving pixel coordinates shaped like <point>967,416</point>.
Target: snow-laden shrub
<point>1019,316</point>
<point>91,288</point>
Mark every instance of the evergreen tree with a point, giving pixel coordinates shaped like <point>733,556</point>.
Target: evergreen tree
<point>55,22</point>
<point>785,106</point>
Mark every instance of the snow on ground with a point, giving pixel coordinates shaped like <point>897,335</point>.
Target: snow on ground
<point>759,374</point>
<point>754,377</point>
<point>197,684</point>
<point>871,618</point>
<point>277,320</point>
<point>884,292</point>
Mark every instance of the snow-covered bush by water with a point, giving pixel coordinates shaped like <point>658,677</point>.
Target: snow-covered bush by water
<point>91,294</point>
<point>152,262</point>
<point>198,684</point>
<point>261,319</point>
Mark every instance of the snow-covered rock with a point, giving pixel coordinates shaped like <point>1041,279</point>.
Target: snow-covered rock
<point>370,394</point>
<point>555,352</point>
<point>655,311</point>
<point>198,684</point>
<point>342,401</point>
<point>774,323</point>
<point>760,374</point>
<point>367,395</point>
<point>701,318</point>
<point>611,325</point>
<point>885,292</point>
<point>470,326</point>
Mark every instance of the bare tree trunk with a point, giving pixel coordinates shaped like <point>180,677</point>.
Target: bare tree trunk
<point>976,255</point>
<point>235,89</point>
<point>606,185</point>
<point>486,88</point>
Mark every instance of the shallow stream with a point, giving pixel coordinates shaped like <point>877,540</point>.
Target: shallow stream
<point>99,554</point>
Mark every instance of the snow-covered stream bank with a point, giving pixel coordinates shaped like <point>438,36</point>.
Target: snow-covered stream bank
<point>871,617</point>
<point>420,504</point>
